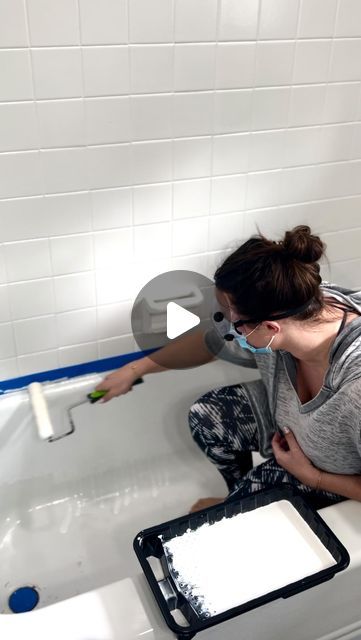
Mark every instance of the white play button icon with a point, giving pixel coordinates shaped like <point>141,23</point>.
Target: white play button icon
<point>172,306</point>
<point>179,320</point>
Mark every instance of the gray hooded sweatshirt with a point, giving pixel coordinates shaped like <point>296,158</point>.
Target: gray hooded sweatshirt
<point>328,427</point>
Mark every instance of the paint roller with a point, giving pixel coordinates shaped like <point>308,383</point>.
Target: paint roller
<point>41,412</point>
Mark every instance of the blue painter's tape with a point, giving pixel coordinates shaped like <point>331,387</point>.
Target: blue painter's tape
<point>95,366</point>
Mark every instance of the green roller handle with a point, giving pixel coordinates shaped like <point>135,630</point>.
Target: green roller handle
<point>94,396</point>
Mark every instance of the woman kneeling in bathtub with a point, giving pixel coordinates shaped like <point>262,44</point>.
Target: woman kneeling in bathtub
<point>304,336</point>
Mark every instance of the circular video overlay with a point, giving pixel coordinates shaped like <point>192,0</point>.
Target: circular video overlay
<point>171,306</point>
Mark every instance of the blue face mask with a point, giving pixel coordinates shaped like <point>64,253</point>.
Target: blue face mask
<point>227,331</point>
<point>242,341</point>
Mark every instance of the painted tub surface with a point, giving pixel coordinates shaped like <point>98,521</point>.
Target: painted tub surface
<point>70,510</point>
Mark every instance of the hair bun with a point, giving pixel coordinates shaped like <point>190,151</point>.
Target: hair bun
<point>301,245</point>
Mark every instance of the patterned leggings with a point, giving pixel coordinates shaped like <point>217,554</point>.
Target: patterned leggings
<point>224,427</point>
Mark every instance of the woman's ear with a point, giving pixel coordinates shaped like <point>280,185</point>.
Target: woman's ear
<point>272,327</point>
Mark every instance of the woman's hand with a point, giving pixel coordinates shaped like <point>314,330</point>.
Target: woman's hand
<point>117,383</point>
<point>290,456</point>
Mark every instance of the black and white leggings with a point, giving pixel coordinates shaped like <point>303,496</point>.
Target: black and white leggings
<point>224,427</point>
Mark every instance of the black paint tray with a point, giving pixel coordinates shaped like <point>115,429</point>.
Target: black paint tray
<point>166,589</point>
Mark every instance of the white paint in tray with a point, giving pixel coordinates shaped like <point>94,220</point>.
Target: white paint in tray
<point>237,559</point>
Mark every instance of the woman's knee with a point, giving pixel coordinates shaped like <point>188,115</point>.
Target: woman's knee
<point>213,398</point>
<point>216,408</point>
<point>200,407</point>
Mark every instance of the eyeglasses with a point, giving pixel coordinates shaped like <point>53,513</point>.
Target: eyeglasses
<point>277,316</point>
<point>218,317</point>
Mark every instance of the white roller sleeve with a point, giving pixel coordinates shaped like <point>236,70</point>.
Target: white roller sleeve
<point>40,410</point>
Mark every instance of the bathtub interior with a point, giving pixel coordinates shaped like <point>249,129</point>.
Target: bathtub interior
<point>70,509</point>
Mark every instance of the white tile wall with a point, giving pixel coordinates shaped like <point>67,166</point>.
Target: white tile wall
<point>57,72</point>
<point>69,114</point>
<point>106,71</point>
<point>152,240</point>
<point>228,193</point>
<point>76,327</point>
<point>235,64</point>
<point>348,19</point>
<point>317,18</point>
<point>151,117</point>
<point>103,23</point>
<point>15,75</point>
<point>194,66</point>
<point>5,315</point>
<point>27,260</point>
<point>191,198</point>
<point>112,247</point>
<point>74,291</point>
<point>112,208</point>
<point>192,158</point>
<point>65,169</point>
<point>152,203</point>
<point>114,285</point>
<point>195,20</point>
<point>311,61</point>
<point>107,120</point>
<point>274,63</point>
<point>151,68</point>
<point>151,20</point>
<point>341,102</point>
<point>70,254</point>
<point>13,24</point>
<point>278,19</point>
<point>238,19</point>
<point>138,136</point>
<point>2,266</point>
<point>29,299</point>
<point>53,23</point>
<point>108,166</point>
<point>34,363</point>
<point>18,127</point>
<point>192,114</point>
<point>34,335</point>
<point>113,320</point>
<point>21,174</point>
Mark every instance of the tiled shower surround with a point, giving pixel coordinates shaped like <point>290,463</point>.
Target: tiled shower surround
<point>146,135</point>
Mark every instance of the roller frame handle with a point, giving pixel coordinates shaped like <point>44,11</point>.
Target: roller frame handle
<point>94,396</point>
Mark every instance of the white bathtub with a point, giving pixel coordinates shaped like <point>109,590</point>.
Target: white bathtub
<point>70,510</point>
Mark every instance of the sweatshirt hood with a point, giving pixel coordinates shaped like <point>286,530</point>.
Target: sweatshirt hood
<point>345,355</point>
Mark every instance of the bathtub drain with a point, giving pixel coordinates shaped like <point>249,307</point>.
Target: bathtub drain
<point>23,599</point>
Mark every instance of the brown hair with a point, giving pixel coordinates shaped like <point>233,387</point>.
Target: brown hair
<point>264,277</point>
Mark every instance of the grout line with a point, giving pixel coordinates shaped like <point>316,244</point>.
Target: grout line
<point>183,43</point>
<point>183,92</point>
